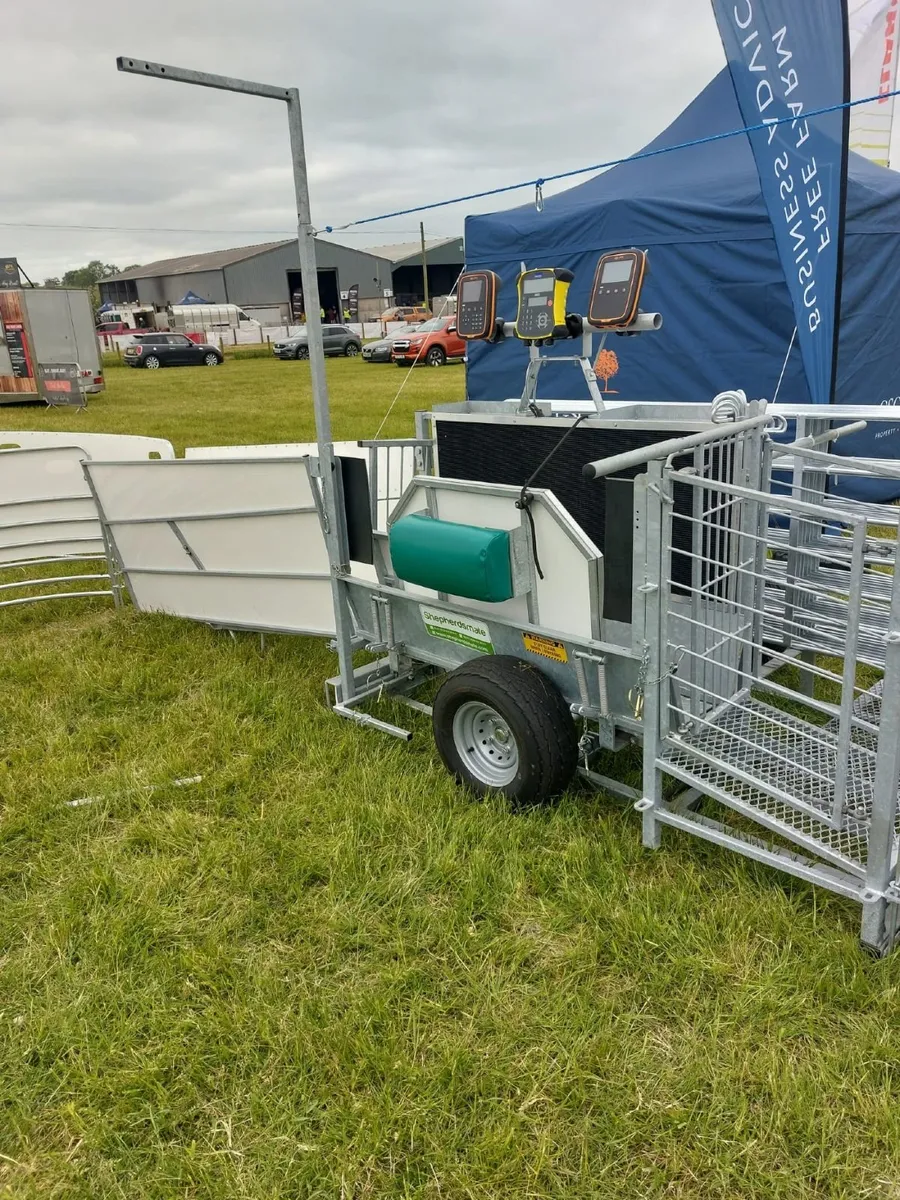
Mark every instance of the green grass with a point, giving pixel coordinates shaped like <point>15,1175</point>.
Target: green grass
<point>324,972</point>
<point>248,400</point>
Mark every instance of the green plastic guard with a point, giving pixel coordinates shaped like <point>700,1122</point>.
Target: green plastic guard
<point>463,560</point>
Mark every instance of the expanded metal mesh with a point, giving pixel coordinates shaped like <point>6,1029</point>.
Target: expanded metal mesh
<point>773,702</point>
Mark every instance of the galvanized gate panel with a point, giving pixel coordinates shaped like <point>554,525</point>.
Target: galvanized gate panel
<point>781,717</point>
<point>236,543</point>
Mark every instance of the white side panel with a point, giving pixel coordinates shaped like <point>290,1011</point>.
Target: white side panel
<point>149,546</point>
<point>47,548</point>
<point>46,506</point>
<point>567,596</point>
<point>29,512</point>
<point>210,540</point>
<point>287,542</point>
<point>120,446</point>
<point>271,450</point>
<point>185,488</point>
<point>249,601</point>
<point>48,531</point>
<point>44,473</point>
<point>396,464</point>
<point>566,591</point>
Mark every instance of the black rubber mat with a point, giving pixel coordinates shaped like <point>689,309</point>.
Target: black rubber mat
<point>505,453</point>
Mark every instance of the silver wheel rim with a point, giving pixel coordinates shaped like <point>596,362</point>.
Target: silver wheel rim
<point>485,744</point>
<point>434,360</point>
<point>351,352</point>
<point>211,360</point>
<point>152,364</point>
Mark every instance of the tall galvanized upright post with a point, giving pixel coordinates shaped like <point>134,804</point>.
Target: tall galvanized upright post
<point>331,495</point>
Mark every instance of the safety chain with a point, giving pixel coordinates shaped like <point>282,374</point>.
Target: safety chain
<point>636,694</point>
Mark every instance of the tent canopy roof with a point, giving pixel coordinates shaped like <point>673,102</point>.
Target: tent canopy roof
<point>704,192</point>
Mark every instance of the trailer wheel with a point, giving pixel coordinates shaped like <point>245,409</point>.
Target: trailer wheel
<point>500,725</point>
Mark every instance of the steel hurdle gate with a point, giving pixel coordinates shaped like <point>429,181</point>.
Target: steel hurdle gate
<point>807,751</point>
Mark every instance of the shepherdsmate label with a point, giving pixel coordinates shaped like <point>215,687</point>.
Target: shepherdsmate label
<point>453,628</point>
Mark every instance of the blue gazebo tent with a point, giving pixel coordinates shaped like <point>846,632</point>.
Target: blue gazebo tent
<point>714,273</point>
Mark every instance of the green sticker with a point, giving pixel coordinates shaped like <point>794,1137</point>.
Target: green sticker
<point>454,628</point>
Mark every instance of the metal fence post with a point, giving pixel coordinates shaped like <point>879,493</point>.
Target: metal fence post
<point>331,499</point>
<point>878,925</point>
<point>650,687</point>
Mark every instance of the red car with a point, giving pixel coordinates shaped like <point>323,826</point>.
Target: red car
<point>435,342</point>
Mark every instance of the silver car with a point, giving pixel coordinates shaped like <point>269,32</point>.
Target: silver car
<point>338,339</point>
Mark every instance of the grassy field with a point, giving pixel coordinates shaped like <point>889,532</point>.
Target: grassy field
<point>323,972</point>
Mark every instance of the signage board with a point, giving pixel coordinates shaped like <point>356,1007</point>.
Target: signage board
<point>60,384</point>
<point>9,273</point>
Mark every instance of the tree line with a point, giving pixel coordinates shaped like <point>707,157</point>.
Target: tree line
<point>88,278</point>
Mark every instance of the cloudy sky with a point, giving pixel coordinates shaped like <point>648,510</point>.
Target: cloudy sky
<point>404,103</point>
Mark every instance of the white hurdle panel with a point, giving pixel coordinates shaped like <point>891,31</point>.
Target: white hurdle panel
<point>48,515</point>
<point>235,542</point>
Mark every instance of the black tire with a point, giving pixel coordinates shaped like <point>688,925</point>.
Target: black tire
<point>302,352</point>
<point>436,357</point>
<point>535,717</point>
<point>352,349</point>
<point>152,363</point>
<point>211,360</point>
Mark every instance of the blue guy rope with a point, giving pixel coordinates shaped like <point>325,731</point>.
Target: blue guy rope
<point>538,184</point>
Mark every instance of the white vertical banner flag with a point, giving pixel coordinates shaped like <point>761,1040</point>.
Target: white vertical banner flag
<point>874,27</point>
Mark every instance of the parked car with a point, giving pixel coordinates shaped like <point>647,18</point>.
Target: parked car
<point>411,314</point>
<point>434,343</point>
<point>153,350</point>
<point>380,351</point>
<point>338,339</point>
<point>114,327</point>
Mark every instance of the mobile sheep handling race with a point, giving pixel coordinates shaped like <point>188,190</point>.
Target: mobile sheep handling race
<point>581,575</point>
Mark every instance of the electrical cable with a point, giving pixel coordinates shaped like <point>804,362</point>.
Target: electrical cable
<point>524,501</point>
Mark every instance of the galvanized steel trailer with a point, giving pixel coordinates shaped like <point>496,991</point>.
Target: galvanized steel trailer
<point>587,579</point>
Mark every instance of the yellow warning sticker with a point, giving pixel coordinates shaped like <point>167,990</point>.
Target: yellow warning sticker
<point>546,647</point>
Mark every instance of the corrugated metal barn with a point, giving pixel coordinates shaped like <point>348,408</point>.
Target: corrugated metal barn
<point>267,276</point>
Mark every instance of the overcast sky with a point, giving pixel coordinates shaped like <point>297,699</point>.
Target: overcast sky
<point>404,103</point>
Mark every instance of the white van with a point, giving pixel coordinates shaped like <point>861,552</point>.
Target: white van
<point>196,318</point>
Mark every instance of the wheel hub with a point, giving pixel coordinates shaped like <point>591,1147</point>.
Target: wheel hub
<point>485,743</point>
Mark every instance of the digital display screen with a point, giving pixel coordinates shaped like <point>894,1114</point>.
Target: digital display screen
<point>537,285</point>
<point>472,290</point>
<point>617,271</point>
<point>537,302</point>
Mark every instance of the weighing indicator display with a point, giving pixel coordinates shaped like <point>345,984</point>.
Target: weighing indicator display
<point>542,303</point>
<point>616,290</point>
<point>477,307</point>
